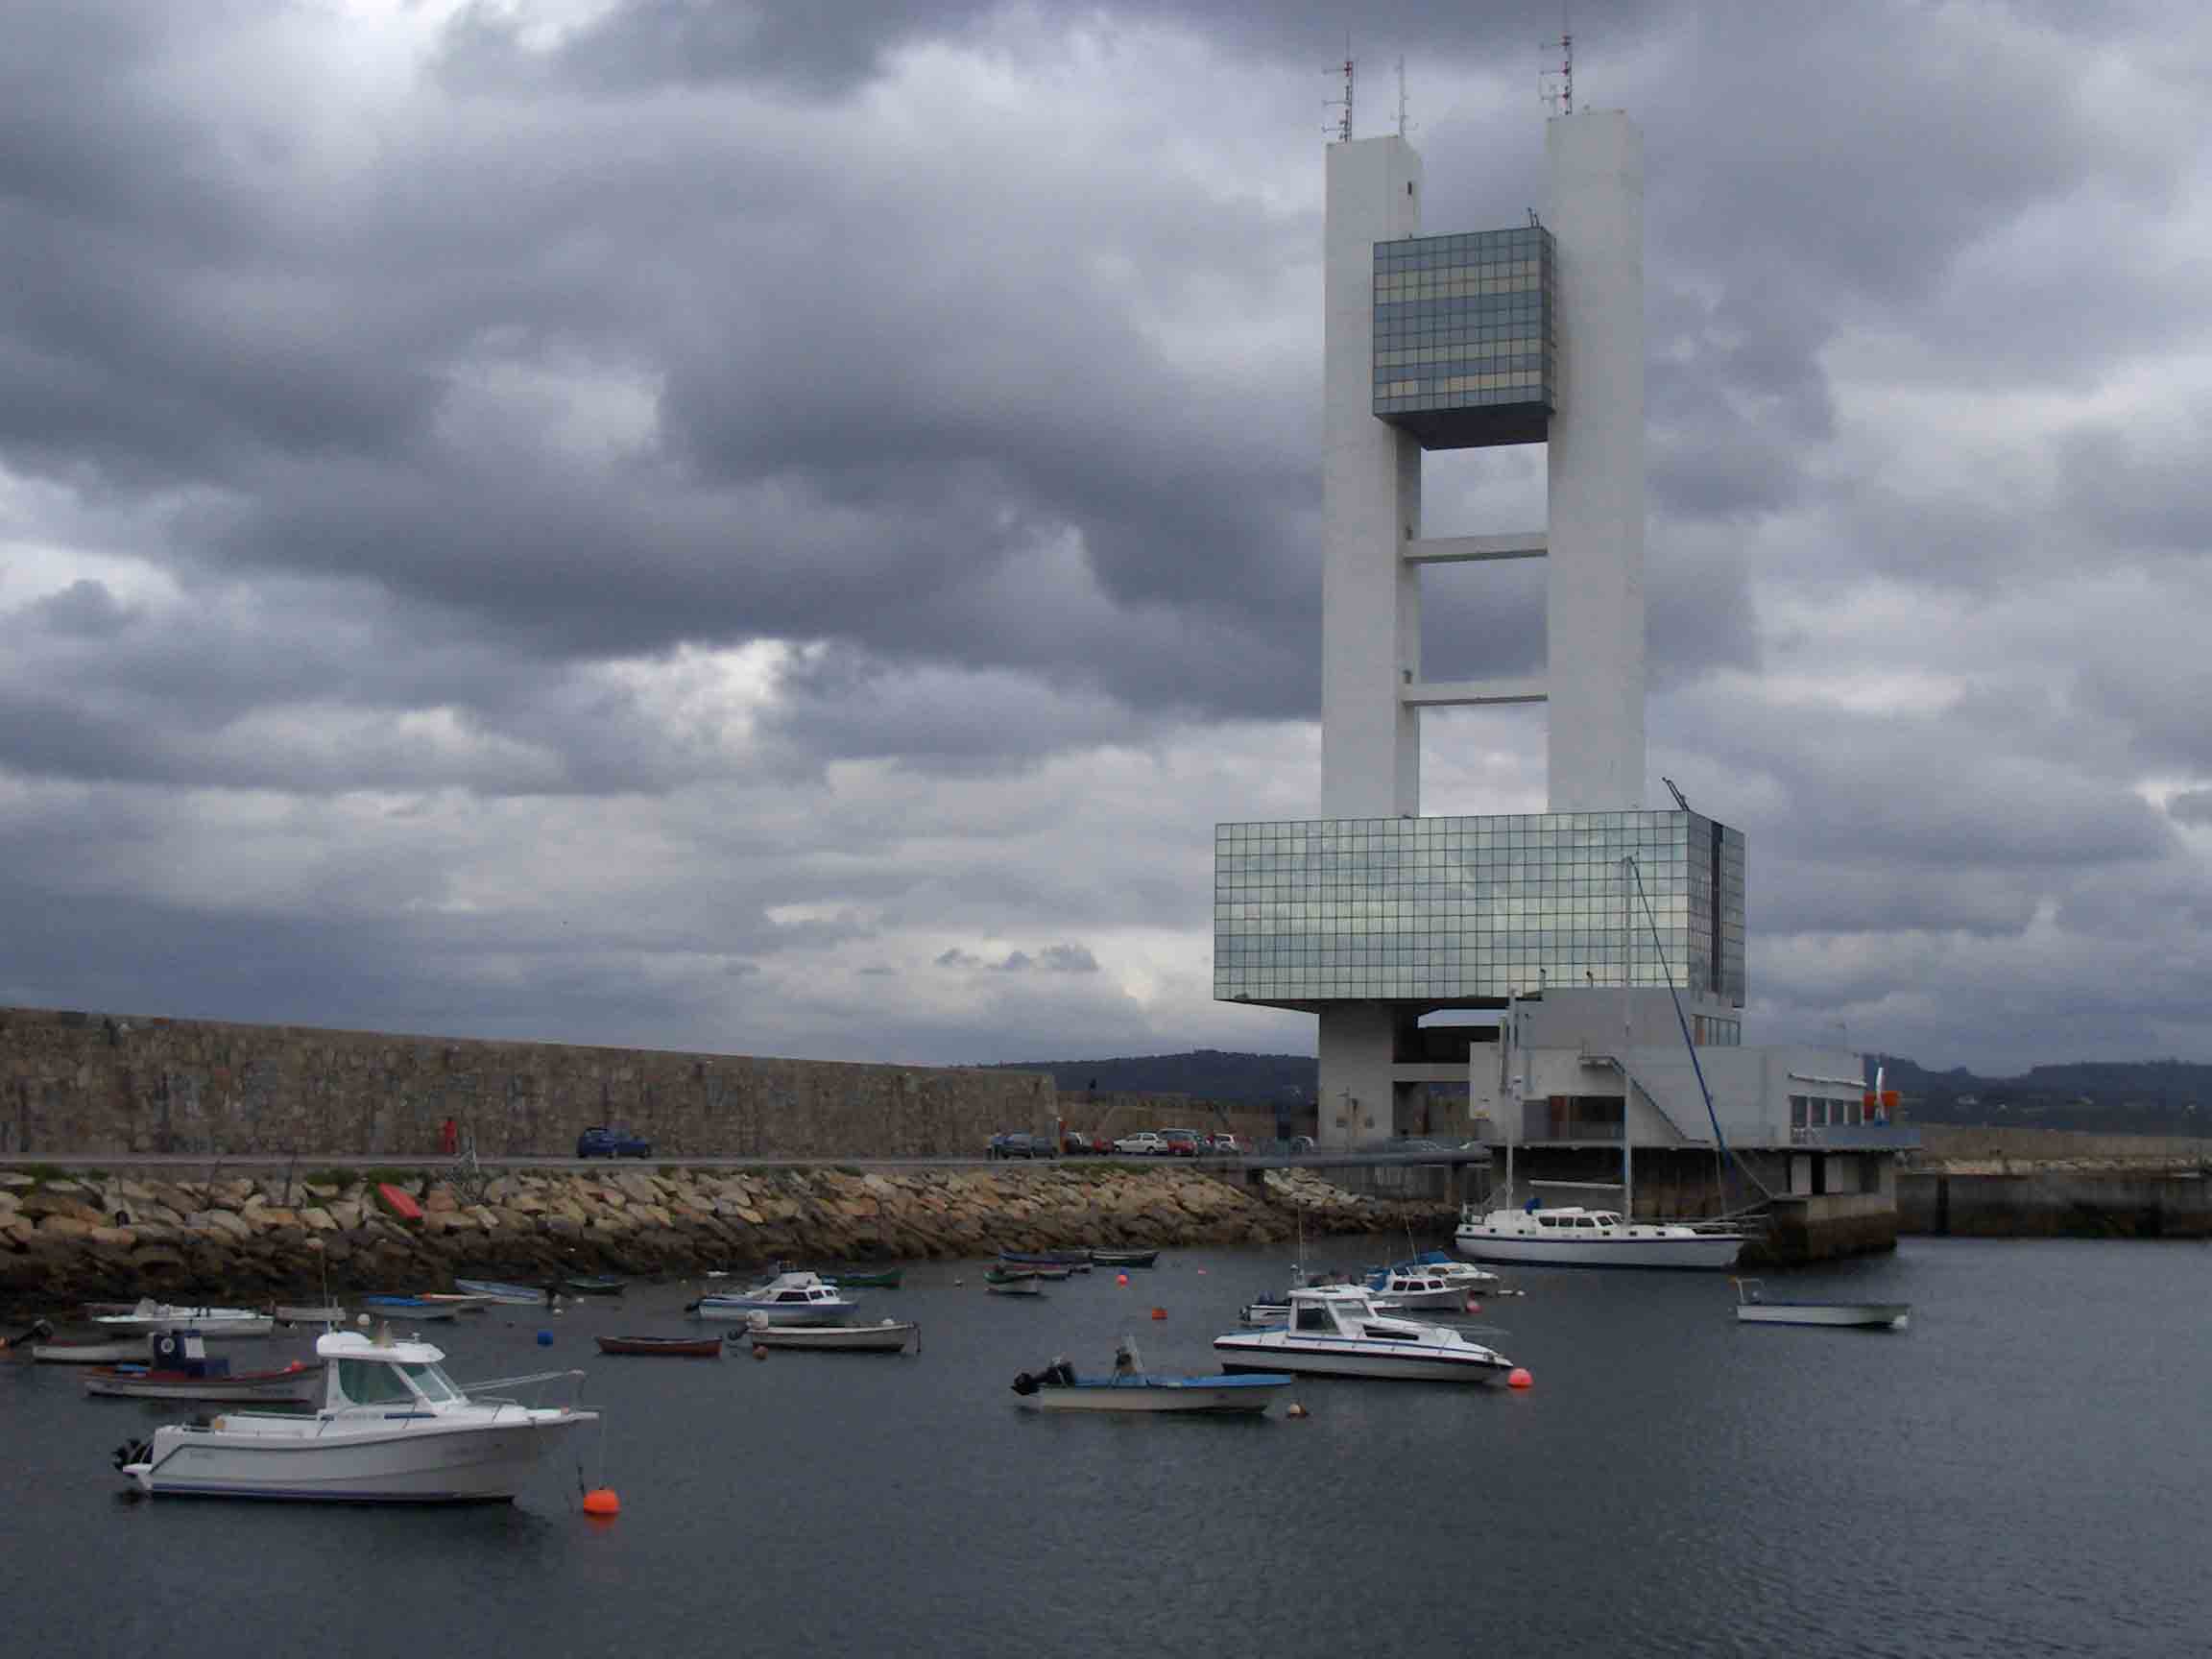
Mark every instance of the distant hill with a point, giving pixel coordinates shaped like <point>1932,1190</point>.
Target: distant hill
<point>1204,1073</point>
<point>2112,1096</point>
<point>2115,1096</point>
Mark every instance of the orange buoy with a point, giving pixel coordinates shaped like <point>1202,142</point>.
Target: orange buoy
<point>1120,1278</point>
<point>601,1501</point>
<point>1519,1378</point>
<point>760,1351</point>
<point>1159,1313</point>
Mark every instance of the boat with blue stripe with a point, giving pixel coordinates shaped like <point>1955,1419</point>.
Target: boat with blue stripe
<point>1059,1388</point>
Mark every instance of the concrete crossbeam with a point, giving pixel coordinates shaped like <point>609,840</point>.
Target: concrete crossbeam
<point>1476,549</point>
<point>1472,693</point>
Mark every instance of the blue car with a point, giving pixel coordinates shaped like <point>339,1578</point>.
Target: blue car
<point>600,1141</point>
<point>1018,1146</point>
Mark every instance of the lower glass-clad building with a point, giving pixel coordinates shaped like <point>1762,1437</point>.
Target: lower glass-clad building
<point>1467,912</point>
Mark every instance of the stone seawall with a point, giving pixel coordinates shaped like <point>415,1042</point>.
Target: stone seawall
<point>74,1083</point>
<point>2055,1203</point>
<point>67,1236</point>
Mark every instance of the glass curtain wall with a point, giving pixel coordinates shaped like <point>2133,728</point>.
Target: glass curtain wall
<point>1444,909</point>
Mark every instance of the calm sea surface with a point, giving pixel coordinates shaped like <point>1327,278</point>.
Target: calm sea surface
<point>2026,1471</point>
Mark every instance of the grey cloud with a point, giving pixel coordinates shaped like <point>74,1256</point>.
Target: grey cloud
<point>1068,959</point>
<point>2191,806</point>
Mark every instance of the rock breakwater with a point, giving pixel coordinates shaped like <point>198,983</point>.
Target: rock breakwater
<point>89,1233</point>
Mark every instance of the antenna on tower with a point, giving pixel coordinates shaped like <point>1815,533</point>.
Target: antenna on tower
<point>1343,125</point>
<point>1403,126</point>
<point>1556,87</point>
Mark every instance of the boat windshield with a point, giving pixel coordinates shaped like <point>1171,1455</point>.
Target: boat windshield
<point>437,1387</point>
<point>382,1382</point>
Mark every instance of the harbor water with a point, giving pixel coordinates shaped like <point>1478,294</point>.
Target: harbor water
<point>2022,1472</point>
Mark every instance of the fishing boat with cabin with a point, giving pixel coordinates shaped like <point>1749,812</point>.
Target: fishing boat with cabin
<point>1335,1330</point>
<point>392,1428</point>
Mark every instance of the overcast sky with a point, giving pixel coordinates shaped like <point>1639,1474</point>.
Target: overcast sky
<point>780,528</point>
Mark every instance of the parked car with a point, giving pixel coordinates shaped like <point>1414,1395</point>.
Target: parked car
<point>1077,1144</point>
<point>1301,1143</point>
<point>1224,1143</point>
<point>1018,1146</point>
<point>601,1142</point>
<point>1183,1142</point>
<point>1144,1143</point>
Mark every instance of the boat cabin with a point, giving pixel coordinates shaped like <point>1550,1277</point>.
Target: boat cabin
<point>376,1376</point>
<point>1568,1219</point>
<point>1409,1281</point>
<point>1345,1310</point>
<point>182,1353</point>
<point>796,1290</point>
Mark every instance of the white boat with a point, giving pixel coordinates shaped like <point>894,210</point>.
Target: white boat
<point>1133,1388</point>
<point>1465,1274</point>
<point>1752,1308</point>
<point>1408,1285</point>
<point>394,1429</point>
<point>787,1299</point>
<point>152,1315</point>
<point>1573,1236</point>
<point>892,1337</point>
<point>1334,1331</point>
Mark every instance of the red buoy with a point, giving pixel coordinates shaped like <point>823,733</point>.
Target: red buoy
<point>601,1501</point>
<point>1519,1378</point>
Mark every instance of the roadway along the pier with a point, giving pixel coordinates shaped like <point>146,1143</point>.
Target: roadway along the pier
<point>259,1161</point>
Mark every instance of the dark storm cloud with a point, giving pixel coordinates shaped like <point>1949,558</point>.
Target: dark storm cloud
<point>427,423</point>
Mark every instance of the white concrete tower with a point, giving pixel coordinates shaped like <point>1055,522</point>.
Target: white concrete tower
<point>1370,502</point>
<point>1370,598</point>
<point>1593,592</point>
<point>1530,333</point>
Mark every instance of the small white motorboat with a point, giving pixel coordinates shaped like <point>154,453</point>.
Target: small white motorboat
<point>1334,1331</point>
<point>1573,1236</point>
<point>1133,1388</point>
<point>152,1315</point>
<point>787,1299</point>
<point>175,1365</point>
<point>394,1429</point>
<point>1464,1274</point>
<point>1752,1308</point>
<point>1409,1286</point>
<point>891,1337</point>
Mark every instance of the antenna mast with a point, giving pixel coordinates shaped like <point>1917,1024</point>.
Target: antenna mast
<point>1403,123</point>
<point>1342,129</point>
<point>1556,87</point>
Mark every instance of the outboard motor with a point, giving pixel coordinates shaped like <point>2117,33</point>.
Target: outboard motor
<point>1023,1384</point>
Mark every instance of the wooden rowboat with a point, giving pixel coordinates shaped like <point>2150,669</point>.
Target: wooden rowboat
<point>671,1347</point>
<point>1011,1284</point>
<point>594,1284</point>
<point>892,1337</point>
<point>1124,1257</point>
